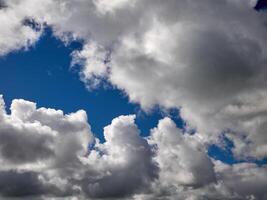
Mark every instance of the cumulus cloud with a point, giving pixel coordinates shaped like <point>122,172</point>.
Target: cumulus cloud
<point>47,149</point>
<point>44,154</point>
<point>29,134</point>
<point>36,142</point>
<point>94,61</point>
<point>123,163</point>
<point>212,68</point>
<point>181,158</point>
<point>15,32</point>
<point>206,58</point>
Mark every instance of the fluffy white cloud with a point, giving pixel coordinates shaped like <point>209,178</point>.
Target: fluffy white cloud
<point>44,155</point>
<point>35,143</point>
<point>211,67</point>
<point>122,165</point>
<point>29,134</point>
<point>186,172</point>
<point>93,60</point>
<point>181,158</point>
<point>18,30</point>
<point>44,152</point>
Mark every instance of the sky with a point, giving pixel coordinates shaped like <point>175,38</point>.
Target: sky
<point>133,100</point>
<point>46,85</point>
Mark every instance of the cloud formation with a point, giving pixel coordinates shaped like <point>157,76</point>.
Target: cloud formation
<point>47,149</point>
<point>206,58</point>
<point>45,154</point>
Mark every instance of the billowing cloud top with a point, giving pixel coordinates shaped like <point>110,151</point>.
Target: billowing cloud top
<point>206,58</point>
<point>44,154</point>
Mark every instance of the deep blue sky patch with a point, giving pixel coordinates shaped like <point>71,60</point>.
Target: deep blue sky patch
<point>261,5</point>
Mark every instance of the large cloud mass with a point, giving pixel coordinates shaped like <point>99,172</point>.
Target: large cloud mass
<point>206,58</point>
<point>47,154</point>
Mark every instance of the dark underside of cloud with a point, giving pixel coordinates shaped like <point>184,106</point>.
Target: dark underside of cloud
<point>206,58</point>
<point>2,4</point>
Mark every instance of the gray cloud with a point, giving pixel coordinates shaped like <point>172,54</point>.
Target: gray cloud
<point>20,184</point>
<point>245,181</point>
<point>122,165</point>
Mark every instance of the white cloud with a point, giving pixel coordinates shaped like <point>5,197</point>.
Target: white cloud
<point>123,164</point>
<point>16,32</point>
<point>181,54</point>
<point>29,135</point>
<point>106,6</point>
<point>181,158</point>
<point>35,144</point>
<point>93,60</point>
<point>211,67</point>
<point>44,155</point>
